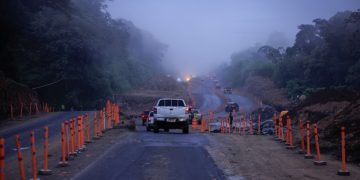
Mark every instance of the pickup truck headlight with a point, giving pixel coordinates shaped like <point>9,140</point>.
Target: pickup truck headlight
<point>182,119</point>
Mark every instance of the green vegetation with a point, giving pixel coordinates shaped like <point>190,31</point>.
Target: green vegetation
<point>326,54</point>
<point>76,46</point>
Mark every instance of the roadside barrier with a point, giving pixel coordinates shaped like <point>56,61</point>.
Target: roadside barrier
<point>33,155</point>
<point>45,170</point>
<point>87,128</point>
<point>251,125</point>
<point>228,126</point>
<point>259,124</point>
<point>63,162</point>
<point>67,151</point>
<point>281,129</point>
<point>2,158</point>
<point>302,144</point>
<point>318,160</point>
<point>308,154</point>
<point>290,146</point>
<point>20,159</point>
<point>95,127</point>
<point>245,124</point>
<point>101,123</point>
<point>343,171</point>
<point>287,142</point>
<point>194,123</point>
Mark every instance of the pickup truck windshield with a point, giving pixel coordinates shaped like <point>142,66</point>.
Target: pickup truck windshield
<point>170,102</point>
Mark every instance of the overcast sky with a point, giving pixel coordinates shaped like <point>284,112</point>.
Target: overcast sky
<point>203,33</point>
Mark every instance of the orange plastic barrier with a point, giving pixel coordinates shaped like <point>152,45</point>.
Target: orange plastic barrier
<point>318,160</point>
<point>308,154</point>
<point>20,159</point>
<point>291,145</point>
<point>2,159</point>
<point>343,171</point>
<point>63,162</point>
<point>101,123</point>
<point>302,143</point>
<point>87,128</point>
<point>33,155</point>
<point>95,127</point>
<point>194,123</point>
<point>45,170</point>
<point>67,148</point>
<point>287,142</point>
<point>72,141</point>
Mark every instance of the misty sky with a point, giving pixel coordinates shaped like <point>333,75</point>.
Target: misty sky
<point>203,33</point>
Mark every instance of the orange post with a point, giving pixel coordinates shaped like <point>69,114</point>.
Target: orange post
<point>291,145</point>
<point>101,124</point>
<point>194,123</point>
<point>20,159</point>
<point>251,125</point>
<point>308,154</point>
<point>2,159</point>
<point>343,171</point>
<point>259,123</point>
<point>287,131</point>
<point>79,136</point>
<point>45,170</point>
<point>67,148</point>
<point>282,130</point>
<point>71,139</point>
<point>245,124</point>
<point>63,162</point>
<point>302,143</point>
<point>95,127</point>
<point>318,160</point>
<point>87,128</point>
<point>33,155</point>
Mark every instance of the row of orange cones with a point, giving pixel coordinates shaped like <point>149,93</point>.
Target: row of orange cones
<point>33,107</point>
<point>288,140</point>
<point>73,134</point>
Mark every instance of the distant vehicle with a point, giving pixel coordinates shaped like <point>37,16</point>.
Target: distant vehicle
<point>170,113</point>
<point>144,116</point>
<point>150,121</point>
<point>195,113</point>
<point>230,106</point>
<point>227,90</point>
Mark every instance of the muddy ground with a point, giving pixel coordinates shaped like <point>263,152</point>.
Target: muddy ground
<point>262,158</point>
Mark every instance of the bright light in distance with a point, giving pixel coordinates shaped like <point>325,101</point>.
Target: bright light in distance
<point>178,79</point>
<point>187,79</point>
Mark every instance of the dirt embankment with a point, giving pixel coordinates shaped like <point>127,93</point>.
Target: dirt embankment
<point>332,109</point>
<point>145,98</point>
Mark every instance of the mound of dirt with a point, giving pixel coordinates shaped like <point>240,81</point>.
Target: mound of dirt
<point>332,109</point>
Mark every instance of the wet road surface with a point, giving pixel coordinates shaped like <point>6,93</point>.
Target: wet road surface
<point>147,155</point>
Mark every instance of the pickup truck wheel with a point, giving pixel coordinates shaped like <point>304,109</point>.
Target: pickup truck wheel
<point>156,130</point>
<point>185,130</point>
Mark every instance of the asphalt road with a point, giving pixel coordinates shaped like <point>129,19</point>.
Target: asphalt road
<point>52,120</point>
<point>147,155</point>
<point>174,155</point>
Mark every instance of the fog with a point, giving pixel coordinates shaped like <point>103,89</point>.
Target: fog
<point>202,34</point>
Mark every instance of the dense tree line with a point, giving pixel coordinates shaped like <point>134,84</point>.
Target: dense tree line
<point>76,48</point>
<point>325,54</point>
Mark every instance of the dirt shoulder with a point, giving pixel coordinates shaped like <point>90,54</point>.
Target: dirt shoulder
<point>260,157</point>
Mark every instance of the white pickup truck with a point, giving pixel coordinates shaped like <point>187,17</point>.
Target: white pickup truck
<point>170,113</point>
